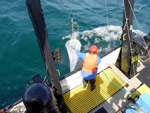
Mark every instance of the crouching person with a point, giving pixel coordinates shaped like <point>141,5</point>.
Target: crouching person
<point>38,98</point>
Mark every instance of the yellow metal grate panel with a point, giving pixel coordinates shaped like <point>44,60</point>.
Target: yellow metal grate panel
<point>81,100</point>
<point>142,89</point>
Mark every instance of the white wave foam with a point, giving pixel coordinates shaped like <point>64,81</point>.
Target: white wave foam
<point>74,35</point>
<point>107,33</point>
<point>106,37</point>
<point>139,33</point>
<point>96,40</point>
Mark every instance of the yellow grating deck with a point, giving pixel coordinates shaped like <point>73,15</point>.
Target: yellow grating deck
<point>81,100</point>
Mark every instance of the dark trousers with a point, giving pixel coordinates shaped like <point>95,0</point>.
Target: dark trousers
<point>92,82</point>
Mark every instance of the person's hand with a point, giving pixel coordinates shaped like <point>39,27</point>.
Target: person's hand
<point>73,47</point>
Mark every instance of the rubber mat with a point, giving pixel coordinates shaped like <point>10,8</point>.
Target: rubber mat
<point>80,100</point>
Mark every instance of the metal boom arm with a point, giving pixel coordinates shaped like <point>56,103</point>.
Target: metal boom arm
<point>36,15</point>
<point>128,57</point>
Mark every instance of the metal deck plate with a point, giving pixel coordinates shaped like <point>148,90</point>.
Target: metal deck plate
<point>81,100</point>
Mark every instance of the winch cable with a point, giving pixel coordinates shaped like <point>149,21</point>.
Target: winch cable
<point>139,29</point>
<point>62,5</point>
<point>72,21</point>
<point>116,19</point>
<point>106,12</point>
<point>115,83</point>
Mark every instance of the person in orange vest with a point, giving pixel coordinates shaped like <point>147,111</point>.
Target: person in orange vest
<point>89,68</point>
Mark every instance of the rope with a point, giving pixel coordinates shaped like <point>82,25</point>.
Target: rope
<point>116,84</point>
<point>134,15</point>
<point>137,22</point>
<point>139,29</point>
<point>126,23</point>
<point>73,23</point>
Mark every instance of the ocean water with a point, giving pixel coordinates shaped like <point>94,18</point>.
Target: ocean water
<point>20,56</point>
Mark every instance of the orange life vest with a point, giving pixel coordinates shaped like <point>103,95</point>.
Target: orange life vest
<point>90,63</point>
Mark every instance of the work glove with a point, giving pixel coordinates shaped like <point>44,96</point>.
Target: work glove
<point>73,47</point>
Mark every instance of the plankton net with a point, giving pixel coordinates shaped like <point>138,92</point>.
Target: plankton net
<point>73,58</point>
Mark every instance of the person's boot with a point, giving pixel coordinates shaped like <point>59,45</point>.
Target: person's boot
<point>84,84</point>
<point>93,87</point>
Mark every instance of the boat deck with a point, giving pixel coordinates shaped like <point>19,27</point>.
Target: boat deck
<point>114,103</point>
<point>119,100</point>
<point>76,98</point>
<point>144,75</point>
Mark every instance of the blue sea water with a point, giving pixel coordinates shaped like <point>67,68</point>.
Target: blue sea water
<point>20,55</point>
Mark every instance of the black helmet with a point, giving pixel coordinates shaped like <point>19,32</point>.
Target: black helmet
<point>38,98</point>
